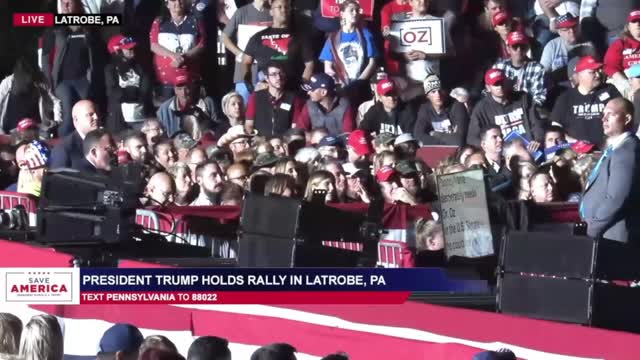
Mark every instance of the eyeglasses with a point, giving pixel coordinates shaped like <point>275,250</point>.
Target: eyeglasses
<point>243,142</point>
<point>241,177</point>
<point>520,47</point>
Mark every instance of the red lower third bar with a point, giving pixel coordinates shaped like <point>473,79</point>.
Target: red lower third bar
<point>33,19</point>
<point>243,297</point>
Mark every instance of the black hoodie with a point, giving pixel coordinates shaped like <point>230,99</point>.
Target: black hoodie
<point>519,114</point>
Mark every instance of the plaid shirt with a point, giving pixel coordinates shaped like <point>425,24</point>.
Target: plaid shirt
<point>529,78</point>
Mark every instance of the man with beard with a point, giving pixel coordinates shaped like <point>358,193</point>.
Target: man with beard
<point>135,143</point>
<point>441,120</point>
<point>209,178</point>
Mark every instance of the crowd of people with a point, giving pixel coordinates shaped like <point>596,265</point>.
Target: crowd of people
<point>41,338</point>
<point>541,98</point>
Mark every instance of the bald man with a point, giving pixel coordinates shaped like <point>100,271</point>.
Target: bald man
<point>609,204</point>
<point>160,190</point>
<point>69,154</point>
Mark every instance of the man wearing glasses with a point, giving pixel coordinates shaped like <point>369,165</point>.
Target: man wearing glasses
<point>527,75</point>
<point>579,110</point>
<point>271,111</point>
<point>280,42</point>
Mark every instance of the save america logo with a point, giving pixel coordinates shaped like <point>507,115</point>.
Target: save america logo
<point>41,286</point>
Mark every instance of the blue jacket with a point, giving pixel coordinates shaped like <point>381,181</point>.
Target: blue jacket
<point>171,121</point>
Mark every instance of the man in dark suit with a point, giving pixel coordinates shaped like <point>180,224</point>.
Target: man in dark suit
<point>609,204</point>
<point>498,173</point>
<point>68,154</point>
<point>99,153</point>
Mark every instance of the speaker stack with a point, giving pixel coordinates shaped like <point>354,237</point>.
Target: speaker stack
<point>284,232</point>
<point>572,279</point>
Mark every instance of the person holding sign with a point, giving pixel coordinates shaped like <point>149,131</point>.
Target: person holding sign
<point>350,54</point>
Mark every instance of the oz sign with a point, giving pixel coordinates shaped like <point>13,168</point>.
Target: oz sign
<point>408,37</point>
<point>422,34</point>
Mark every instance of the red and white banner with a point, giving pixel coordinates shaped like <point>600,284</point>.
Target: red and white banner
<point>410,331</point>
<point>331,8</point>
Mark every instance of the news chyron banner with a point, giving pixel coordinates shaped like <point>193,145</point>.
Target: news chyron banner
<point>225,286</point>
<point>49,19</point>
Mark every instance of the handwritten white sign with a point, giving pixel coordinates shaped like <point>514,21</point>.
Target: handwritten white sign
<point>421,34</point>
<point>465,215</point>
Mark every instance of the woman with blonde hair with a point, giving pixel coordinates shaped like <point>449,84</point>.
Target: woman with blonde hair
<point>321,180</point>
<point>10,330</point>
<point>384,158</point>
<point>42,339</point>
<point>280,185</point>
<point>233,108</point>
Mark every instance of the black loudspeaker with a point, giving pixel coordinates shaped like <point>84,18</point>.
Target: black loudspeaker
<point>84,208</point>
<point>272,236</point>
<point>569,278</point>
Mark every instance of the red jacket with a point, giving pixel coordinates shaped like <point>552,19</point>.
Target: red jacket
<point>622,54</point>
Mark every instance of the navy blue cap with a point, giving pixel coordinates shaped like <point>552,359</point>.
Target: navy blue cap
<point>320,81</point>
<point>502,354</point>
<point>329,141</point>
<point>121,337</point>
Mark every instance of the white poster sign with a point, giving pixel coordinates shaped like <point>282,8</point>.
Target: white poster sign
<point>245,32</point>
<point>422,34</point>
<point>465,215</point>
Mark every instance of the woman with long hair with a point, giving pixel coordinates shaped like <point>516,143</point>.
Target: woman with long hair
<point>281,185</point>
<point>26,94</point>
<point>177,42</point>
<point>350,54</point>
<point>42,339</point>
<point>324,181</point>
<point>623,53</point>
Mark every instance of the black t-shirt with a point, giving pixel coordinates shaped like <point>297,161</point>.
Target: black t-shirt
<point>581,115</point>
<point>76,59</point>
<point>280,44</point>
<point>20,106</point>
